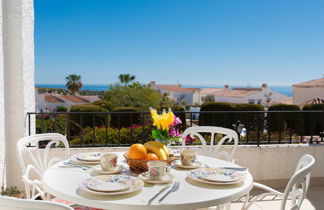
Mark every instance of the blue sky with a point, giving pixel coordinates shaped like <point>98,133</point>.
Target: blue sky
<point>211,42</point>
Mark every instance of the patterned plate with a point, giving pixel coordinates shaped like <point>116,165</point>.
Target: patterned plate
<point>108,184</point>
<point>98,169</point>
<point>88,156</point>
<point>197,164</point>
<point>216,176</point>
<point>134,184</point>
<point>166,179</point>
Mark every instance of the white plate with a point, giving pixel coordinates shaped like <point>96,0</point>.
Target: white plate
<point>76,161</point>
<point>166,179</point>
<point>197,164</point>
<point>88,156</point>
<point>98,169</point>
<point>214,176</point>
<point>104,184</point>
<point>135,184</point>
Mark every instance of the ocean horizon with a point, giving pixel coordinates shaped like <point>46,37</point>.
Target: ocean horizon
<point>286,90</point>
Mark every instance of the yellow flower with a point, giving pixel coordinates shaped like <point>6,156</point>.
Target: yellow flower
<point>162,121</point>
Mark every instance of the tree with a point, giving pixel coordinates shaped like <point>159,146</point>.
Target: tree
<point>208,98</point>
<point>139,96</point>
<point>73,83</point>
<point>126,78</point>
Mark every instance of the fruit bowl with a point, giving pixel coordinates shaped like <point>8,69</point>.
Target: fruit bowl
<point>140,166</point>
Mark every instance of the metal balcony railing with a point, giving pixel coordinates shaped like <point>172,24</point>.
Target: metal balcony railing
<point>95,129</point>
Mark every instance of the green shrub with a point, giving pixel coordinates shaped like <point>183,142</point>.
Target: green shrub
<point>216,119</point>
<point>253,121</point>
<point>119,120</point>
<point>292,121</point>
<point>87,119</point>
<point>314,122</point>
<point>130,135</point>
<point>103,104</point>
<point>51,123</point>
<point>61,109</point>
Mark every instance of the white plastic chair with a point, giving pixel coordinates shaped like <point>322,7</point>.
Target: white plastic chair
<point>295,190</point>
<point>214,149</point>
<point>39,161</point>
<point>8,203</point>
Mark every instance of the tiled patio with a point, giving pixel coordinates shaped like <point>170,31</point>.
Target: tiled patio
<point>313,201</point>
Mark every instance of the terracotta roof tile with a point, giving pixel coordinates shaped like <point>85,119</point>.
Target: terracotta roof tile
<point>74,99</point>
<point>312,83</point>
<point>286,100</point>
<point>53,99</point>
<point>176,88</point>
<point>228,92</point>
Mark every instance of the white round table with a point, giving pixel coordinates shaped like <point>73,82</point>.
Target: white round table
<point>64,183</point>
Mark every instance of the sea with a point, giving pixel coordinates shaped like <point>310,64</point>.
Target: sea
<point>286,90</point>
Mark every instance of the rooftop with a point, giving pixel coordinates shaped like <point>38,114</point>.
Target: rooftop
<point>311,83</point>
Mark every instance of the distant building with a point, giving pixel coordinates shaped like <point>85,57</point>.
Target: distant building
<point>48,102</point>
<point>176,92</point>
<point>303,92</point>
<point>262,96</point>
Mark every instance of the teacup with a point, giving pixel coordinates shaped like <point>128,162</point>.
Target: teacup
<point>188,157</point>
<point>108,161</point>
<point>157,170</point>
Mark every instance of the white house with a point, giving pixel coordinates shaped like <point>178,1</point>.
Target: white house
<point>176,92</point>
<point>303,92</point>
<point>49,102</point>
<point>262,96</point>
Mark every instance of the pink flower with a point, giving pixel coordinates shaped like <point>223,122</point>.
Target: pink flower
<point>176,121</point>
<point>174,132</point>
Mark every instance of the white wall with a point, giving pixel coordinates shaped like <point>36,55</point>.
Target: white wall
<point>2,114</point>
<point>18,85</point>
<point>302,94</point>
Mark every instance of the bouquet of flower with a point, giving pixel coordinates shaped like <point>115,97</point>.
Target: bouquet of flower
<point>165,124</point>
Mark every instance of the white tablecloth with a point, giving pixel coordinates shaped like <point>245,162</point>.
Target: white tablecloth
<point>64,183</point>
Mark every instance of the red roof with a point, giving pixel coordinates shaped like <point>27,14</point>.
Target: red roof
<point>312,83</point>
<point>176,88</point>
<point>53,99</point>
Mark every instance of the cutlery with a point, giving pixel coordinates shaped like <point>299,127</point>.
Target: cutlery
<point>72,166</point>
<point>157,194</point>
<point>174,188</point>
<point>235,168</point>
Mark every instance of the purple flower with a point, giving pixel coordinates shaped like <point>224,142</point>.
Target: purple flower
<point>176,121</point>
<point>174,132</point>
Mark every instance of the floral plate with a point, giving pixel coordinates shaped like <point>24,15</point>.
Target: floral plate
<point>98,170</point>
<point>216,176</point>
<point>134,184</point>
<point>88,156</point>
<point>166,179</point>
<point>197,164</point>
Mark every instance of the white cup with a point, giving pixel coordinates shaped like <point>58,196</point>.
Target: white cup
<point>157,170</point>
<point>188,157</point>
<point>108,161</point>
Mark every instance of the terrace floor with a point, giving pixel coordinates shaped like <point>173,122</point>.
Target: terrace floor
<point>313,201</point>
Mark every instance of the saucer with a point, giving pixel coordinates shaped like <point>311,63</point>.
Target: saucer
<point>145,177</point>
<point>98,169</point>
<point>197,164</point>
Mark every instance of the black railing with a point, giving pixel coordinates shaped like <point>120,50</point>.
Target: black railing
<point>94,129</point>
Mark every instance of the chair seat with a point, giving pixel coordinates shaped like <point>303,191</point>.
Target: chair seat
<point>73,205</point>
<point>271,205</point>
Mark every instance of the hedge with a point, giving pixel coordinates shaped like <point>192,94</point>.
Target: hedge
<point>87,119</point>
<point>61,109</point>
<point>314,122</point>
<point>228,119</point>
<point>120,120</point>
<point>285,121</point>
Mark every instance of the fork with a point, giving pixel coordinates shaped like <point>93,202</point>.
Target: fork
<point>174,188</point>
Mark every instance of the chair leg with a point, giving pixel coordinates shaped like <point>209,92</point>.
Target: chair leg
<point>244,207</point>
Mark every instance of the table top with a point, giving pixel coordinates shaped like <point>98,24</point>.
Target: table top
<point>64,183</point>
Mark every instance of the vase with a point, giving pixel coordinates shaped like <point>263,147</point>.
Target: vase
<point>168,144</point>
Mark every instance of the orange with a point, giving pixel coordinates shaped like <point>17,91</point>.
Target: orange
<point>137,152</point>
<point>152,156</point>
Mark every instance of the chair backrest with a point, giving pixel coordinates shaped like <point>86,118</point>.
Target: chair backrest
<point>39,158</point>
<point>8,203</point>
<point>214,149</point>
<point>298,184</point>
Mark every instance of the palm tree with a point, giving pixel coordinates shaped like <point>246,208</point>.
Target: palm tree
<point>126,78</point>
<point>73,83</point>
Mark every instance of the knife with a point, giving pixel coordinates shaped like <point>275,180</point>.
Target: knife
<point>157,194</point>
